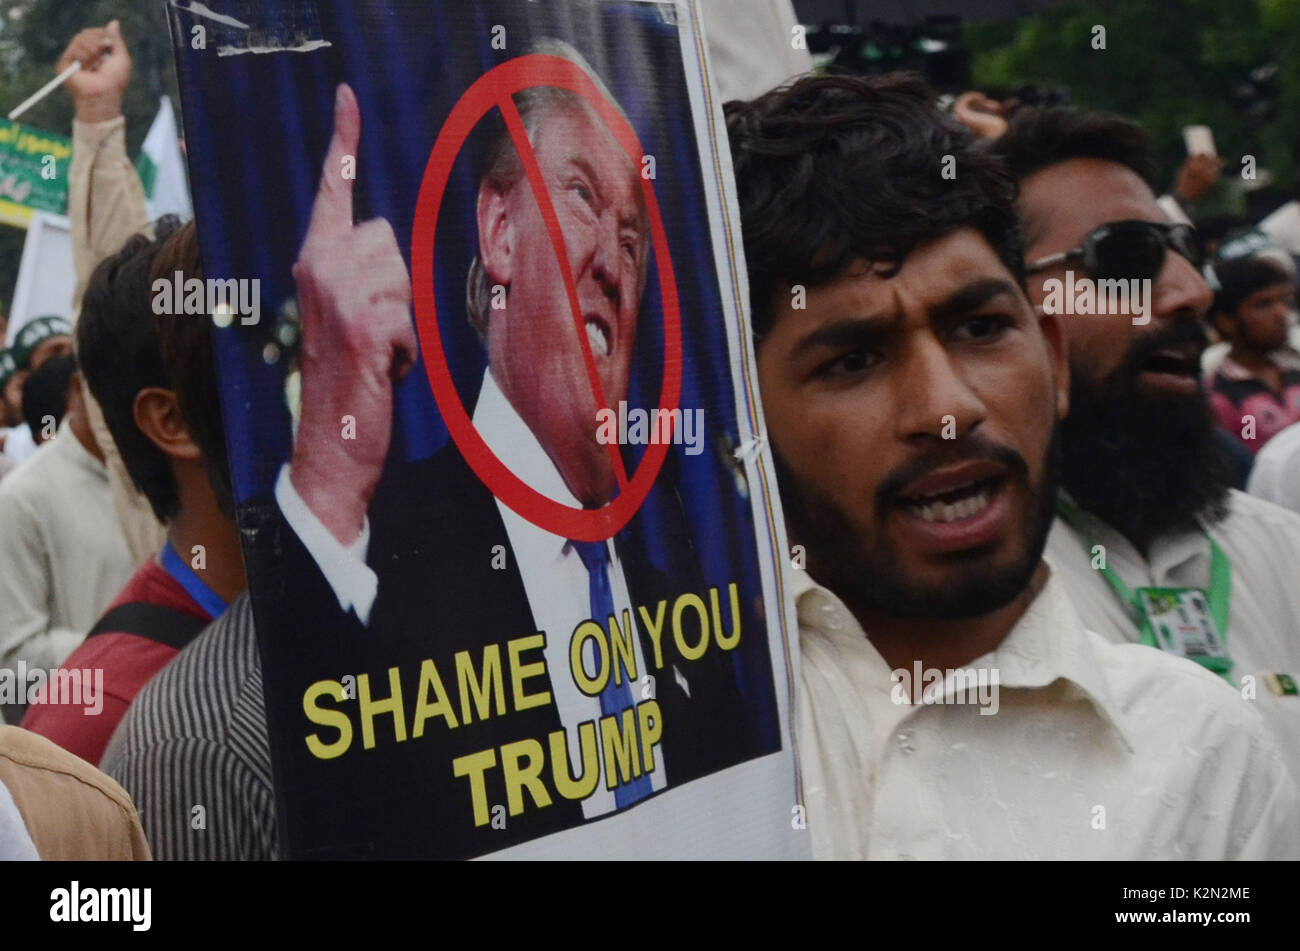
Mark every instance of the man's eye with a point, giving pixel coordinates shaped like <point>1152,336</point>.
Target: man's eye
<point>583,192</point>
<point>850,364</point>
<point>630,249</point>
<point>983,328</point>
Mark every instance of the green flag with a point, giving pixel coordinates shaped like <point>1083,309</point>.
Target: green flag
<point>33,172</point>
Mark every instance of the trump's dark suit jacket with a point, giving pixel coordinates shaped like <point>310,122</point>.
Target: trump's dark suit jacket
<point>439,594</point>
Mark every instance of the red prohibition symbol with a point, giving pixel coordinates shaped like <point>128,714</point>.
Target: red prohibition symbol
<point>494,90</point>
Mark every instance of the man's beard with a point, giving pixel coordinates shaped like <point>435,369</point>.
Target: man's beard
<point>1145,464</point>
<point>870,579</point>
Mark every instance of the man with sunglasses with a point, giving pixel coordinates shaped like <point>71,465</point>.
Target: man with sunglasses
<point>1118,262</point>
<point>912,400</point>
<point>1155,546</point>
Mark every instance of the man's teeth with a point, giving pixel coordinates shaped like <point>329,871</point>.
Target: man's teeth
<point>596,337</point>
<point>951,511</point>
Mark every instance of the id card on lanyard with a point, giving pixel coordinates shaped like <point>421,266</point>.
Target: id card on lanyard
<point>1188,622</point>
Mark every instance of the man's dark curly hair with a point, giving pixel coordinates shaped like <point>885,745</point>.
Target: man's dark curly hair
<point>831,169</point>
<point>1040,138</point>
<point>1238,278</point>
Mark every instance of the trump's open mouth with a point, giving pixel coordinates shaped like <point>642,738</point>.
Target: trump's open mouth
<point>599,335</point>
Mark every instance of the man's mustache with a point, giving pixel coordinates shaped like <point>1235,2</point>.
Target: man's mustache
<point>970,449</point>
<point>1183,327</point>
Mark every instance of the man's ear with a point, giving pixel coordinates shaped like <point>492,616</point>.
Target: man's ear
<point>496,235</point>
<point>158,415</point>
<point>1058,351</point>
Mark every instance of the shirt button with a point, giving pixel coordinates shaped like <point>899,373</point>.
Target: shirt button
<point>905,741</point>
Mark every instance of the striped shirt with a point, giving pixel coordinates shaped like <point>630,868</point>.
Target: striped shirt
<point>193,750</point>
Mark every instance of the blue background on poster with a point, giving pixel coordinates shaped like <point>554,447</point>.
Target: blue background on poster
<point>255,122</point>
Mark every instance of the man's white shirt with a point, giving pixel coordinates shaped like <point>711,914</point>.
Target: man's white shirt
<point>1275,476</point>
<point>1096,751</point>
<point>751,46</point>
<point>19,443</point>
<point>15,842</point>
<point>62,555</point>
<point>555,579</point>
<point>1262,544</point>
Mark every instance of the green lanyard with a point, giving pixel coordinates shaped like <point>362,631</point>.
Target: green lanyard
<point>1220,578</point>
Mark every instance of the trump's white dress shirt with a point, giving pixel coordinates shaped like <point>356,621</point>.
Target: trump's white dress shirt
<point>1096,751</point>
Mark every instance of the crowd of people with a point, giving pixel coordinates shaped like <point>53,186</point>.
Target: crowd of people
<point>1102,509</point>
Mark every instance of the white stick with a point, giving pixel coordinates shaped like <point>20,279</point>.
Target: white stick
<point>45,90</point>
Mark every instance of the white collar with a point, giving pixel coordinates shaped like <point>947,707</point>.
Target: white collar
<point>67,440</point>
<point>517,446</point>
<point>1284,358</point>
<point>1048,643</point>
<point>1168,552</point>
<point>508,436</point>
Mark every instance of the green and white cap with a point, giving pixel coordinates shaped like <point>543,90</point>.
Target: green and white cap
<point>36,332</point>
<point>8,367</point>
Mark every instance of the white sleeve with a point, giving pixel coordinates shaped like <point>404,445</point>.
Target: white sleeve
<point>344,566</point>
<point>1275,833</point>
<point>1173,211</point>
<point>28,632</point>
<point>15,842</point>
<point>1274,477</point>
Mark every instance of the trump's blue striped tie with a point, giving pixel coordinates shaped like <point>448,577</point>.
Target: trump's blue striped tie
<point>617,696</point>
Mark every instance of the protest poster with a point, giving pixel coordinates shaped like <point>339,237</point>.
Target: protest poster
<point>33,172</point>
<point>514,546</point>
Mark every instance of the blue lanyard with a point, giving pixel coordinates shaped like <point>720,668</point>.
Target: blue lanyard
<point>194,586</point>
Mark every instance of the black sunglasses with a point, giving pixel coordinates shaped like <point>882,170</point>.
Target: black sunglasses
<point>1125,250</point>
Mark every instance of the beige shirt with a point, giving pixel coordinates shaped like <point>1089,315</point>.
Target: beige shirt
<point>1262,545</point>
<point>105,198</point>
<point>62,558</point>
<point>1095,751</point>
<point>106,207</point>
<point>72,811</point>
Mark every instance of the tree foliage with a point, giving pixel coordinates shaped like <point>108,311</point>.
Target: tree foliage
<point>1167,64</point>
<point>33,34</point>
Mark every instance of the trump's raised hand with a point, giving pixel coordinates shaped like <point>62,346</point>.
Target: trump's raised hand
<point>354,298</point>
